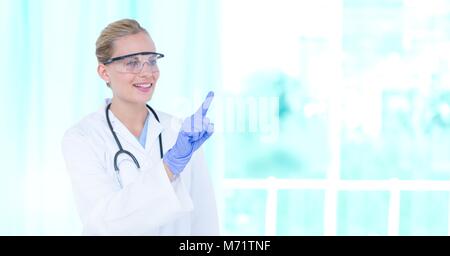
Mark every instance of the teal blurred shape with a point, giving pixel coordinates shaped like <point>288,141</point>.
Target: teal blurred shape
<point>301,149</point>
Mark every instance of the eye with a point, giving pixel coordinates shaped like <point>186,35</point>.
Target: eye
<point>153,62</point>
<point>132,63</point>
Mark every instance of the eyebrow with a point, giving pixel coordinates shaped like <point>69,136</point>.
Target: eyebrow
<point>132,57</point>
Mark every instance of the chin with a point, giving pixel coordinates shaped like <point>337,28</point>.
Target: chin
<point>144,97</point>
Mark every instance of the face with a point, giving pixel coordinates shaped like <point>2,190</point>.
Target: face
<point>131,87</point>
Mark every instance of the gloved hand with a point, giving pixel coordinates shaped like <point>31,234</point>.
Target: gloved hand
<point>195,130</point>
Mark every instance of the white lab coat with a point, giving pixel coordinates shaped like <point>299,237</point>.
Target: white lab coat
<point>149,203</point>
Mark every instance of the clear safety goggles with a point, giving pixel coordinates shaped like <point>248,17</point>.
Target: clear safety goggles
<point>134,63</point>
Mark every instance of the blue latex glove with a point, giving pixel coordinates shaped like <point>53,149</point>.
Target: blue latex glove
<point>195,130</point>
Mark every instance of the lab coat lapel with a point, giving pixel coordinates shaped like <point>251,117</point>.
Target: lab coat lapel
<point>152,143</point>
<point>126,138</point>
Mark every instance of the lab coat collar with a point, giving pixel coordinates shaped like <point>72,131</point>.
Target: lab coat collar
<point>154,129</point>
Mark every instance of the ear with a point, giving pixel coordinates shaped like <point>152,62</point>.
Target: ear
<point>103,73</point>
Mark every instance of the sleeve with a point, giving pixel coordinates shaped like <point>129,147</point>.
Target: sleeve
<point>205,219</point>
<point>146,204</point>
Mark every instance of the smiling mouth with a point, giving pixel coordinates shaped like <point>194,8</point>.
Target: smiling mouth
<point>143,85</point>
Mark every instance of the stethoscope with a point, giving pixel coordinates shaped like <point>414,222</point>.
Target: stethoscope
<point>122,151</point>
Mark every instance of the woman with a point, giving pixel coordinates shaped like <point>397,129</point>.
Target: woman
<point>136,171</point>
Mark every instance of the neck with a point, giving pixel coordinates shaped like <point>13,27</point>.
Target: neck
<point>132,115</point>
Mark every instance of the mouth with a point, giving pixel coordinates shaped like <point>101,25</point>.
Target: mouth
<point>143,87</point>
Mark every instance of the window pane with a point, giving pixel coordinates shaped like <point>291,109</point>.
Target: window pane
<point>363,213</point>
<point>245,212</point>
<point>424,213</point>
<point>300,212</point>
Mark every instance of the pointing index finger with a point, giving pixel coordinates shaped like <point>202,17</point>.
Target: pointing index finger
<point>205,105</point>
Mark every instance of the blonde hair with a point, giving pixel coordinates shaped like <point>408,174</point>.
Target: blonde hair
<point>112,32</point>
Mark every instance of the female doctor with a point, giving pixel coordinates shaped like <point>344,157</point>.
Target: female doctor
<point>134,170</point>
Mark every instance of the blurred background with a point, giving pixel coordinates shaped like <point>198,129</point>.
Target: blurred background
<point>333,116</point>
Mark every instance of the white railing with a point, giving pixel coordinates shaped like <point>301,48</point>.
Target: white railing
<point>393,186</point>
